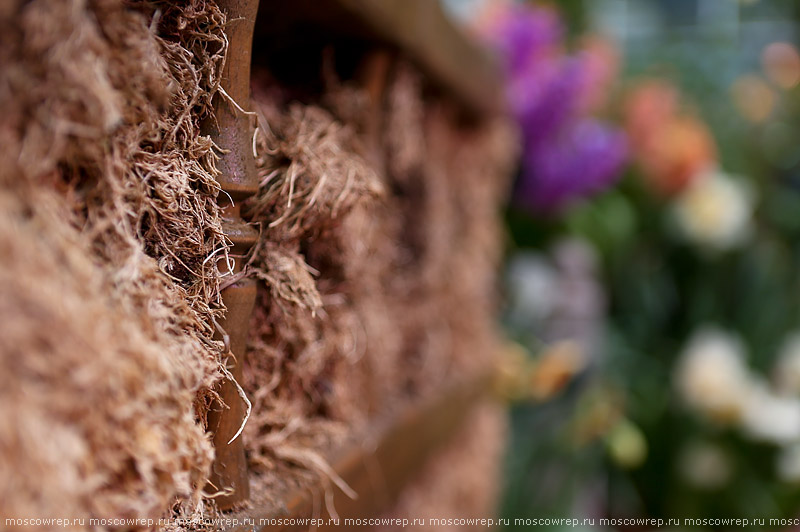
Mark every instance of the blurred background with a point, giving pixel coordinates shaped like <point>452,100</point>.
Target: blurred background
<point>652,287</point>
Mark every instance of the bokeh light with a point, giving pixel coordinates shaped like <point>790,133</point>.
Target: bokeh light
<point>781,63</point>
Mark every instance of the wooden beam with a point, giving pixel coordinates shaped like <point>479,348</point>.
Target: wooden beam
<point>442,51</point>
<point>420,29</point>
<point>381,464</point>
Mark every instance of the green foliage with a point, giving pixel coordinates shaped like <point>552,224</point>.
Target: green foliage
<point>662,288</point>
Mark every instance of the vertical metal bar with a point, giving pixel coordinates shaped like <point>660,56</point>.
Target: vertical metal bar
<point>232,130</point>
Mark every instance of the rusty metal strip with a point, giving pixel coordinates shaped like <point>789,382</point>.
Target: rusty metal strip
<point>232,130</point>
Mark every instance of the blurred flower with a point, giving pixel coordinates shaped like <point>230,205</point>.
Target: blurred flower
<point>542,83</point>
<point>648,106</point>
<point>519,34</point>
<point>583,160</point>
<point>559,300</point>
<point>556,366</point>
<point>580,310</point>
<point>715,211</point>
<point>514,368</point>
<point>712,377</point>
<point>671,147</point>
<point>676,153</point>
<point>520,377</point>
<point>781,64</point>
<point>787,464</point>
<point>627,445</point>
<point>705,465</point>
<point>546,98</point>
<point>532,286</point>
<point>770,417</point>
<point>566,155</point>
<point>753,98</point>
<point>787,367</point>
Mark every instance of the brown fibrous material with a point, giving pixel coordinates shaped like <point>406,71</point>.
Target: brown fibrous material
<point>402,253</point>
<point>377,257</point>
<point>108,231</point>
<point>462,481</point>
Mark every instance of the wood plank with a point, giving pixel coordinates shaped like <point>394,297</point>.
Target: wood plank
<point>382,464</point>
<point>442,50</point>
<point>419,29</point>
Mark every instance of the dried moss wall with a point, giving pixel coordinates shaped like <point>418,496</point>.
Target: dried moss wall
<point>377,259</point>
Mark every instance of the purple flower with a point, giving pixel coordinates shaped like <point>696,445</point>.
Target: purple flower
<point>583,159</point>
<point>545,97</point>
<point>520,34</point>
<point>565,155</point>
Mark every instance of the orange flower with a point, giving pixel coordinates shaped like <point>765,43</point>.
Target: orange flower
<point>673,155</point>
<point>649,106</point>
<point>671,147</point>
<point>555,368</point>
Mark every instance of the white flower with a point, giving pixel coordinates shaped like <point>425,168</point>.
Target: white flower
<point>533,287</point>
<point>787,464</point>
<point>712,377</point>
<point>787,368</point>
<point>705,465</point>
<point>715,210</point>
<point>770,417</point>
